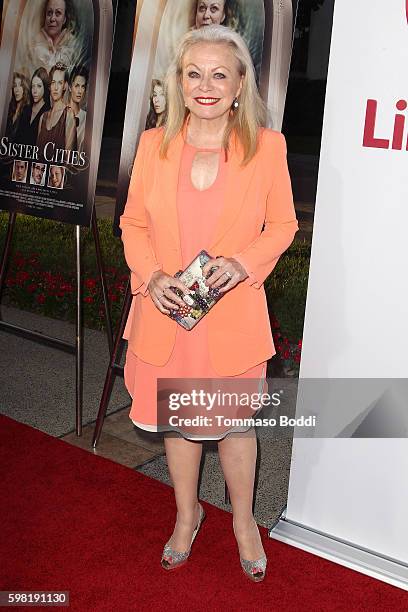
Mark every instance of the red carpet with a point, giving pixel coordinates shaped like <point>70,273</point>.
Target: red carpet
<point>78,522</point>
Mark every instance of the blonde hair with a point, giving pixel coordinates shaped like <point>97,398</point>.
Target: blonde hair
<point>251,113</point>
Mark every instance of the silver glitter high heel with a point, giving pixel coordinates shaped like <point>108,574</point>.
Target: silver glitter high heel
<point>254,570</point>
<point>172,558</point>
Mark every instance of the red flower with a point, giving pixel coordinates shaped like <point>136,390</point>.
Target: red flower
<point>279,347</point>
<point>300,343</point>
<point>286,354</point>
<point>41,298</point>
<point>67,287</point>
<point>31,288</point>
<point>90,283</point>
<point>22,275</point>
<point>19,262</point>
<point>113,297</point>
<point>89,300</point>
<point>286,340</point>
<point>297,358</point>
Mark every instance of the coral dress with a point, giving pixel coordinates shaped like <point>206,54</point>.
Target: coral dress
<point>198,211</point>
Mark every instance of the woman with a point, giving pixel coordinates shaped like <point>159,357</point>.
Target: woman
<point>212,12</point>
<point>56,40</point>
<point>40,103</point>
<point>20,99</point>
<point>210,178</point>
<point>58,124</point>
<point>157,111</point>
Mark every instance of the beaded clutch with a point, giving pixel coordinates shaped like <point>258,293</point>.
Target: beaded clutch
<point>197,304</point>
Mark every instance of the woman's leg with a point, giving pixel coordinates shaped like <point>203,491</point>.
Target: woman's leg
<point>238,458</point>
<point>183,459</point>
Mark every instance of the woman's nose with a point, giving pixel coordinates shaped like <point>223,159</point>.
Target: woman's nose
<point>205,83</point>
<point>207,14</point>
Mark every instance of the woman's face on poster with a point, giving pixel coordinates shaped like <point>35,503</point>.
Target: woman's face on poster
<point>56,176</point>
<point>158,99</point>
<point>58,85</point>
<point>211,79</point>
<point>78,89</point>
<point>55,18</point>
<point>209,13</point>
<point>37,89</point>
<point>20,170</point>
<point>18,90</point>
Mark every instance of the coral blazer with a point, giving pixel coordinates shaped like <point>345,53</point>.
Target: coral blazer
<point>257,224</point>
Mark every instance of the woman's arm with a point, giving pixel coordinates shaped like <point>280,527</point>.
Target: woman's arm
<point>262,255</point>
<point>133,223</point>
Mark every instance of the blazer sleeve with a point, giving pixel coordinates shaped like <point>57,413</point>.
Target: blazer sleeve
<point>138,249</point>
<point>262,255</point>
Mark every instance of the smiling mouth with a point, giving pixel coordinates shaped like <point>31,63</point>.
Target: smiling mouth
<point>207,101</point>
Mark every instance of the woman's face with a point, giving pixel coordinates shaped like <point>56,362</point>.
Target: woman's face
<point>209,12</point>
<point>55,176</point>
<point>158,99</point>
<point>55,18</point>
<point>37,89</point>
<point>58,85</point>
<point>20,170</point>
<point>18,90</point>
<point>210,80</point>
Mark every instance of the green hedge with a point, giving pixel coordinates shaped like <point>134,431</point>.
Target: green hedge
<point>41,275</point>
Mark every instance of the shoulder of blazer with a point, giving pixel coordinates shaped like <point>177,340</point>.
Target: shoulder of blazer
<point>273,137</point>
<point>272,145</point>
<point>152,135</point>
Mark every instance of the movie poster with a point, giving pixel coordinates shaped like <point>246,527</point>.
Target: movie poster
<point>267,27</point>
<point>54,71</point>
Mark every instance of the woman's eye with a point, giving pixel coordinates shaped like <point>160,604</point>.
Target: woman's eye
<point>219,75</point>
<point>192,74</point>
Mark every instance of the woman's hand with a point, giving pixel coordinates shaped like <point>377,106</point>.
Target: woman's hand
<point>163,297</point>
<point>228,267</point>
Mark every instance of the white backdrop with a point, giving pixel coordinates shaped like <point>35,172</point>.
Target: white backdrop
<point>356,322</point>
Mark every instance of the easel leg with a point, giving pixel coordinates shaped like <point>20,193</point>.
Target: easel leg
<point>6,251</point>
<point>108,319</point>
<point>110,374</point>
<point>79,339</point>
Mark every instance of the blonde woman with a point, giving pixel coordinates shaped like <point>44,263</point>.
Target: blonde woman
<point>210,178</point>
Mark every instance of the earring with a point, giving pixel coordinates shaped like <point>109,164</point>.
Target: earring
<point>235,104</point>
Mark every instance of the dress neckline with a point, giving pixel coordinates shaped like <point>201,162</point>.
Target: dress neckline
<point>217,150</point>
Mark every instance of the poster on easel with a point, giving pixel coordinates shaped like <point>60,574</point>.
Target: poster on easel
<point>267,26</point>
<point>54,70</point>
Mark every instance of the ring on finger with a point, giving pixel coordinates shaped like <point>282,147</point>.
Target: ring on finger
<point>228,274</point>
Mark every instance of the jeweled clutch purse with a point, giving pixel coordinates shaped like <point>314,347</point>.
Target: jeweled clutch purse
<point>202,300</point>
